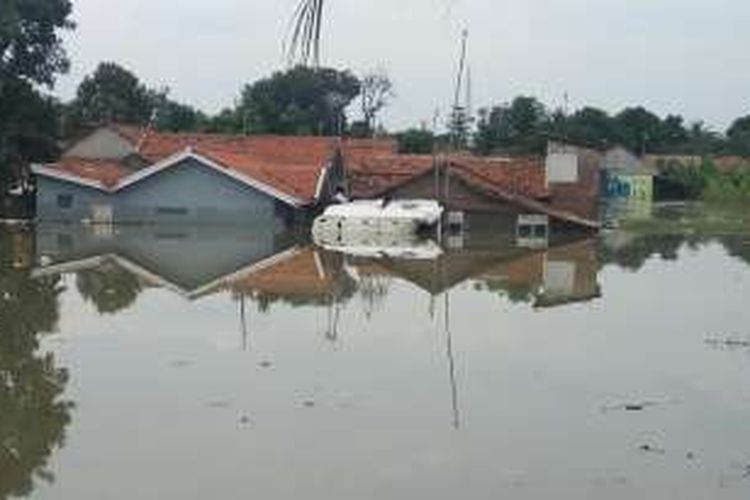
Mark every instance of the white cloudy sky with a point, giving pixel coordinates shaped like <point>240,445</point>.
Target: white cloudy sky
<point>674,56</point>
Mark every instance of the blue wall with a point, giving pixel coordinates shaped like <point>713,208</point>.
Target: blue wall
<point>187,192</point>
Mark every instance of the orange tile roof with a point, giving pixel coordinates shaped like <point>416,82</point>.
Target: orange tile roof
<point>374,176</point>
<point>522,176</point>
<point>290,165</point>
<point>106,172</point>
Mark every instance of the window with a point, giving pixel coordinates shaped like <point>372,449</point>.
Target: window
<point>171,210</point>
<point>65,201</point>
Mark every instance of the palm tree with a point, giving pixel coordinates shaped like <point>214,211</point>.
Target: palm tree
<point>306,27</point>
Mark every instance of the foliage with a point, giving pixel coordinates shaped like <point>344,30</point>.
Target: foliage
<point>111,94</point>
<point>301,100</point>
<point>416,141</point>
<point>30,46</point>
<point>733,186</point>
<point>31,54</point>
<point>738,136</point>
<point>520,127</point>
<point>114,94</point>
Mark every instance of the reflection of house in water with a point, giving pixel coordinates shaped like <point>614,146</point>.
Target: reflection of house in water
<point>305,276</point>
<point>190,260</point>
<point>564,273</point>
<point>112,268</point>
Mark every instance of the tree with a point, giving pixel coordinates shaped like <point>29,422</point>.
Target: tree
<point>593,127</point>
<point>416,141</point>
<point>738,136</point>
<point>30,46</point>
<point>521,127</point>
<point>301,100</point>
<point>111,94</point>
<point>375,93</point>
<point>638,129</point>
<point>31,55</point>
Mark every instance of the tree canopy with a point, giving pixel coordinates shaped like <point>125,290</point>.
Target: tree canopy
<point>301,100</point>
<point>31,55</point>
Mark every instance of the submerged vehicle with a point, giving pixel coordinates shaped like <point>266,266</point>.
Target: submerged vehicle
<point>363,218</point>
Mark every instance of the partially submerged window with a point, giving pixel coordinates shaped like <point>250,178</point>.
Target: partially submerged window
<point>171,210</point>
<point>532,230</point>
<point>65,201</point>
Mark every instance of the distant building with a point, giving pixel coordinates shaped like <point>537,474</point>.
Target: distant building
<point>728,164</point>
<point>661,163</point>
<point>128,175</point>
<point>627,177</point>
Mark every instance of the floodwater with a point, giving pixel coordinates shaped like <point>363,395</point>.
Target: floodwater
<point>192,363</point>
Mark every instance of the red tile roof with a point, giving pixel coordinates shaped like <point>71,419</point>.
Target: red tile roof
<point>522,176</point>
<point>105,172</point>
<point>289,165</point>
<point>374,176</point>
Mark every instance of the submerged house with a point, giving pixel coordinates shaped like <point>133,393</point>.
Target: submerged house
<point>627,177</point>
<point>127,174</point>
<point>528,196</point>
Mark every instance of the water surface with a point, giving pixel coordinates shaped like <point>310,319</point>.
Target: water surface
<point>191,363</point>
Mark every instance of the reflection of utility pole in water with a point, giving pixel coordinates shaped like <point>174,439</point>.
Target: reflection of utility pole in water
<point>451,364</point>
<point>243,322</point>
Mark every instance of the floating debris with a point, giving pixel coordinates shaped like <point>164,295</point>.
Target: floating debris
<point>308,403</point>
<point>647,448</point>
<point>245,420</point>
<point>265,364</point>
<point>181,363</point>
<point>633,407</point>
<point>730,343</point>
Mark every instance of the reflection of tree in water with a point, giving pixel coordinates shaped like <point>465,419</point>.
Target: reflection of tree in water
<point>635,253</point>
<point>32,416</point>
<point>110,288</point>
<point>737,246</point>
<point>516,292</point>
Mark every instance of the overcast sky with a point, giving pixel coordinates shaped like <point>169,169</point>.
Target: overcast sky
<point>674,56</point>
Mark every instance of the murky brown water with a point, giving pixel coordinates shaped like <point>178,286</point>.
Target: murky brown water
<point>189,363</point>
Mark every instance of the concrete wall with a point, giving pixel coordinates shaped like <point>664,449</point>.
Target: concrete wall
<point>580,197</point>
<point>101,144</point>
<point>185,193</point>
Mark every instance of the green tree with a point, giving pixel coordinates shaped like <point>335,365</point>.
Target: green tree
<point>31,55</point>
<point>521,127</point>
<point>416,141</point>
<point>738,136</point>
<point>111,94</point>
<point>591,126</point>
<point>638,129</point>
<point>301,100</point>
